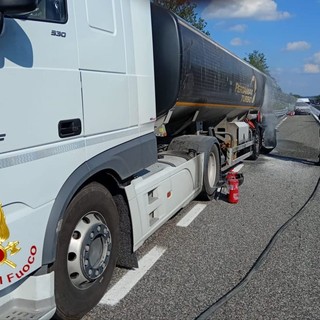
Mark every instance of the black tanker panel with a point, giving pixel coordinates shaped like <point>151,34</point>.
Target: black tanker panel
<point>167,58</point>
<point>197,78</point>
<point>212,75</point>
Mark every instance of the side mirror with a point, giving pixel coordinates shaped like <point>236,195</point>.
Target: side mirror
<point>17,6</point>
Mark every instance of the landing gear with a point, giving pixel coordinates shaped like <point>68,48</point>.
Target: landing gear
<point>256,144</point>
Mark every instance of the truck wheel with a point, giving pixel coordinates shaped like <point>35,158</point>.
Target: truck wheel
<point>265,150</point>
<point>269,143</point>
<point>87,251</point>
<point>211,173</point>
<point>256,145</point>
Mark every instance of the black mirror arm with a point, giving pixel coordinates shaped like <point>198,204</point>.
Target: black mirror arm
<point>1,22</point>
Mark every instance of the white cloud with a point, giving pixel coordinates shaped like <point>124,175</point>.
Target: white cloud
<point>254,9</point>
<point>297,46</point>
<point>311,68</point>
<point>238,28</point>
<point>316,57</point>
<point>238,42</point>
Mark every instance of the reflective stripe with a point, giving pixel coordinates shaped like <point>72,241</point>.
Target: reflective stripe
<point>66,147</point>
<point>212,105</point>
<point>40,154</point>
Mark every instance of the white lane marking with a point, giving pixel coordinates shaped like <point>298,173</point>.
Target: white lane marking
<point>191,215</point>
<point>132,277</point>
<point>237,168</point>
<point>281,122</point>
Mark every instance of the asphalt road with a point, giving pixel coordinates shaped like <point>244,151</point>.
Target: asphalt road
<point>213,264</point>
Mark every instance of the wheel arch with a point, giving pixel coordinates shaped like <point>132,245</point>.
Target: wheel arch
<point>107,173</point>
<point>198,143</point>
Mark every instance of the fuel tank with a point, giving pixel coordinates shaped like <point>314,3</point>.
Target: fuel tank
<point>196,79</point>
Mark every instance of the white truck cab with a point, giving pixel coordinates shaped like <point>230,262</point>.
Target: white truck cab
<point>78,109</point>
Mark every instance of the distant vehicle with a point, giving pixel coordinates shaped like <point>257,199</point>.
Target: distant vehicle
<point>302,108</point>
<point>305,100</point>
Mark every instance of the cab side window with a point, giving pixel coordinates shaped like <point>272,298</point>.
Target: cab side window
<point>49,10</point>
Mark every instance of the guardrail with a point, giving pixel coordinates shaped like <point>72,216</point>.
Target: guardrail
<point>315,112</point>
<point>281,113</point>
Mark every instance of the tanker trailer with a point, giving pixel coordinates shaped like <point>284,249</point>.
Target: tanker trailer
<point>203,89</point>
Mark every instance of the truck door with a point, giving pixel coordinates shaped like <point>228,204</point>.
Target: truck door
<point>102,59</point>
<point>39,77</point>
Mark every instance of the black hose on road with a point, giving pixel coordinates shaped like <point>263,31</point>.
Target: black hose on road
<point>256,266</point>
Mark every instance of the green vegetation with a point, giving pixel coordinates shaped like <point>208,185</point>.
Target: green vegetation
<point>187,11</point>
<point>258,60</point>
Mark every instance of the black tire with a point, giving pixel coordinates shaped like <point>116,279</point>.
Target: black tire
<point>269,141</point>
<point>87,251</point>
<point>265,150</point>
<point>256,145</point>
<point>211,173</point>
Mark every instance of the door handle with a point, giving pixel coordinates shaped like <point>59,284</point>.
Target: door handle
<point>69,128</point>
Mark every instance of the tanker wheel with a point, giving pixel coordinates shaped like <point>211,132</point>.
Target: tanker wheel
<point>272,143</point>
<point>87,251</point>
<point>211,173</point>
<point>256,145</point>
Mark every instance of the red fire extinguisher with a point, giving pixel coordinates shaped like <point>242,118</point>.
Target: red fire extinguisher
<point>233,186</point>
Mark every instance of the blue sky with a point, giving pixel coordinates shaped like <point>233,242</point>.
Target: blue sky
<point>287,32</point>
